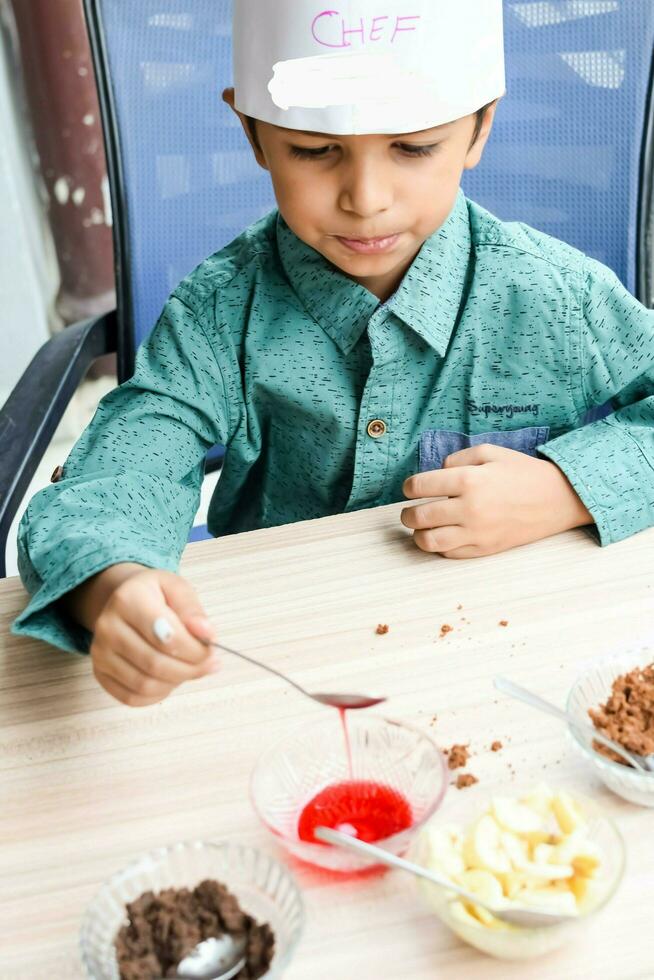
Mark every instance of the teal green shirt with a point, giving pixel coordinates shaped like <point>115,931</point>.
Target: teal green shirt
<point>497,333</point>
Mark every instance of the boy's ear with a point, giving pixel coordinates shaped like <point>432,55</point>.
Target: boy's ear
<point>476,151</point>
<point>228,98</point>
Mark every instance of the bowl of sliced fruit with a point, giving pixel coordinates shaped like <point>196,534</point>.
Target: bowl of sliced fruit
<point>547,850</point>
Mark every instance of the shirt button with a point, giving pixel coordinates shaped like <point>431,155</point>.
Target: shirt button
<point>376,429</point>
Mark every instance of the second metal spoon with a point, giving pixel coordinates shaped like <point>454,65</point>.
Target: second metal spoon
<point>517,915</point>
<point>641,763</point>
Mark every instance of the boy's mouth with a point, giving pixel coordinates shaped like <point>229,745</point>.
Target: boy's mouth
<point>369,246</point>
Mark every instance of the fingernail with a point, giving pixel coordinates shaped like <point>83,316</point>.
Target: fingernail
<point>213,665</point>
<point>162,630</point>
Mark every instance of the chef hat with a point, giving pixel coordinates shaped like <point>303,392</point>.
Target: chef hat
<point>366,66</point>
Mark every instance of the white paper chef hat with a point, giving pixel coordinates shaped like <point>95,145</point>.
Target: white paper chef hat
<point>366,66</point>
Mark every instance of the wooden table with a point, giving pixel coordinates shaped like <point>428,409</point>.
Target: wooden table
<point>87,784</point>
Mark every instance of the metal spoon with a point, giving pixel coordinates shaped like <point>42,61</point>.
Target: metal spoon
<point>214,959</point>
<point>526,918</point>
<point>349,701</point>
<point>163,631</point>
<point>641,763</point>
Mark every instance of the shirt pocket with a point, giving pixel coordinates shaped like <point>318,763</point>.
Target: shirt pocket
<point>437,444</point>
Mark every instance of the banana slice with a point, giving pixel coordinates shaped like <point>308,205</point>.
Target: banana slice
<point>539,799</point>
<point>471,915</point>
<point>545,854</point>
<point>444,851</point>
<point>484,884</point>
<point>515,816</point>
<point>550,900</point>
<point>567,812</point>
<point>548,872</point>
<point>482,848</point>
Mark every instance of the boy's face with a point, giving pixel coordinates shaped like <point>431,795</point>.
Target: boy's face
<point>368,203</point>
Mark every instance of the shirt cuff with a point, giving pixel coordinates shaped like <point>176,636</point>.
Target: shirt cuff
<point>610,474</point>
<point>45,619</point>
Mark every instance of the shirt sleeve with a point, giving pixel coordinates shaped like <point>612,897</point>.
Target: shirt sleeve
<point>610,462</point>
<point>131,486</point>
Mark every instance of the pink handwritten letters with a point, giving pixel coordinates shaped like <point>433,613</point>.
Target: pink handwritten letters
<point>331,30</point>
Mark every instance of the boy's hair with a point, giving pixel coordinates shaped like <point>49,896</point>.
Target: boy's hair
<point>479,122</point>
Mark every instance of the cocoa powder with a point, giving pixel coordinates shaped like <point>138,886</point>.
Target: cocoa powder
<point>457,756</point>
<point>164,928</point>
<point>627,716</point>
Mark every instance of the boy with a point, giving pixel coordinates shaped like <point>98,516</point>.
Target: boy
<point>378,336</point>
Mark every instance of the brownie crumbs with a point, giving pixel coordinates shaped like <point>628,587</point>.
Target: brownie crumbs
<point>627,716</point>
<point>382,629</point>
<point>166,927</point>
<point>504,622</point>
<point>457,756</point>
<point>445,629</point>
<point>465,779</point>
<point>460,606</point>
<point>497,746</point>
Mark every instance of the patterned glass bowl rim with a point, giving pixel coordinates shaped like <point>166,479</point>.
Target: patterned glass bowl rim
<point>158,854</point>
<point>621,663</point>
<point>433,807</point>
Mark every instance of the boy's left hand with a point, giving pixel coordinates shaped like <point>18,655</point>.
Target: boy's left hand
<point>497,499</point>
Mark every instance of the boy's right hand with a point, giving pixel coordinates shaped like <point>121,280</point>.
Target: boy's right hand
<point>129,660</point>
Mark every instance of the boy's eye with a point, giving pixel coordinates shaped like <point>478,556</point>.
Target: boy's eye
<point>306,153</point>
<point>413,150</point>
<point>317,153</point>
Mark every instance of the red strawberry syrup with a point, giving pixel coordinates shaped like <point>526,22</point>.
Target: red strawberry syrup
<point>365,809</point>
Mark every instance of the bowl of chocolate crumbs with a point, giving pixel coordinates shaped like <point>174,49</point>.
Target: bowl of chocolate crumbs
<point>616,695</point>
<point>150,917</point>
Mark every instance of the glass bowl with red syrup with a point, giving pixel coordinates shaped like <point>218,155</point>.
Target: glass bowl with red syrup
<point>376,779</point>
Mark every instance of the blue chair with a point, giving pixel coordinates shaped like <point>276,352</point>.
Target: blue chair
<point>571,154</point>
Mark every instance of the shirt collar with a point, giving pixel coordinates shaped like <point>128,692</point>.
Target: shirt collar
<point>428,299</point>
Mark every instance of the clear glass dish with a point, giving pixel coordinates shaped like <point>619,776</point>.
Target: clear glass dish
<point>294,770</point>
<point>513,942</point>
<point>264,888</point>
<point>591,689</point>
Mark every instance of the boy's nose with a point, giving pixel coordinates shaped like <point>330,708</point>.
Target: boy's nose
<point>366,190</point>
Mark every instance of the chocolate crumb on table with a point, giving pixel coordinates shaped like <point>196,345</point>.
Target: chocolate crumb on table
<point>465,779</point>
<point>166,927</point>
<point>382,629</point>
<point>457,756</point>
<point>445,629</point>
<point>504,622</point>
<point>496,746</point>
<point>627,716</point>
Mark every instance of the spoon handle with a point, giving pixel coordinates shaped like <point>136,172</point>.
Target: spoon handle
<point>392,860</point>
<point>257,663</point>
<point>506,686</point>
<point>522,694</point>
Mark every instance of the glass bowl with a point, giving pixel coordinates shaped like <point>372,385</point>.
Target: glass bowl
<point>264,888</point>
<point>590,690</point>
<point>516,942</point>
<point>289,774</point>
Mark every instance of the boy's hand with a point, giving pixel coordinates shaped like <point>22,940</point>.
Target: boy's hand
<point>129,660</point>
<point>497,499</point>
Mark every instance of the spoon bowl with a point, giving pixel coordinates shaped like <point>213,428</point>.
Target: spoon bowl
<point>220,958</point>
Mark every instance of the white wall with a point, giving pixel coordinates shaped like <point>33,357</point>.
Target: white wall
<point>28,276</point>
